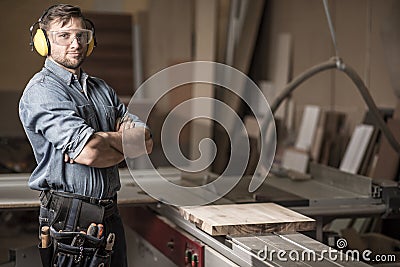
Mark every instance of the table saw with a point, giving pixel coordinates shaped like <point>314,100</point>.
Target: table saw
<point>330,193</point>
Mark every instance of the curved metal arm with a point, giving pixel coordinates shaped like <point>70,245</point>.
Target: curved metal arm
<point>337,63</point>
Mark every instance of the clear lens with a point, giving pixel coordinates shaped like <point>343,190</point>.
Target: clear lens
<point>66,37</point>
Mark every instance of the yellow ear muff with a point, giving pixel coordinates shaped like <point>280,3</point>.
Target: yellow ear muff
<point>40,43</point>
<point>90,47</point>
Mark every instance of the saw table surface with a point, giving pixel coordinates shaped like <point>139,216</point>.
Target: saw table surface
<point>15,193</point>
<point>293,249</point>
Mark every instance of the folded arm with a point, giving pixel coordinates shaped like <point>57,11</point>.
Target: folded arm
<point>106,149</point>
<point>98,151</point>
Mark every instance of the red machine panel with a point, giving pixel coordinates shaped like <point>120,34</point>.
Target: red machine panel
<point>181,248</point>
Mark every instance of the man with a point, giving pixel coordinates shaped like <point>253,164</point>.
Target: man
<point>74,123</point>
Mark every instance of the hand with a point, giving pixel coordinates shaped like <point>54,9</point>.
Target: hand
<point>67,159</point>
<point>126,123</point>
<point>137,141</point>
<point>103,149</point>
<point>149,146</point>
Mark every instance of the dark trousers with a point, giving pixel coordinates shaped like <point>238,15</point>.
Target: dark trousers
<point>113,224</point>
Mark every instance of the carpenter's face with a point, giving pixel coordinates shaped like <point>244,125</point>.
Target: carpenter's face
<point>69,43</point>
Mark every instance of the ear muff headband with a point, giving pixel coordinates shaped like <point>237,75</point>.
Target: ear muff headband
<point>41,41</point>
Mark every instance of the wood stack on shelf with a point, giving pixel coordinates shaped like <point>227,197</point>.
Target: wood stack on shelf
<point>366,152</point>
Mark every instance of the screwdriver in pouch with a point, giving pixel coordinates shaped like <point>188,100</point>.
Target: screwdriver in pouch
<point>92,230</point>
<point>45,231</point>
<point>110,241</point>
<point>100,229</point>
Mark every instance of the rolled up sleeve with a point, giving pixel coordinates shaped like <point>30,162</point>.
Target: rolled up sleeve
<point>56,118</point>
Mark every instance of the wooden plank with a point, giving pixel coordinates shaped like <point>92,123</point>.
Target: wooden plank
<point>332,125</point>
<point>236,219</point>
<point>182,115</point>
<point>242,55</point>
<point>205,47</point>
<point>296,160</point>
<point>281,73</point>
<point>356,149</point>
<point>370,152</point>
<point>308,127</point>
<point>223,7</point>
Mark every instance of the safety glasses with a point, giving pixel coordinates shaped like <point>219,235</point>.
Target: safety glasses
<point>66,37</point>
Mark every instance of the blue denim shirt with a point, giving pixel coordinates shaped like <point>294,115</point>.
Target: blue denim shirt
<point>59,115</point>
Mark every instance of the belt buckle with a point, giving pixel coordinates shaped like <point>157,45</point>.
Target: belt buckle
<point>105,202</point>
<point>93,200</point>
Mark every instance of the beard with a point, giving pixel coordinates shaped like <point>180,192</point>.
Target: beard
<point>68,63</point>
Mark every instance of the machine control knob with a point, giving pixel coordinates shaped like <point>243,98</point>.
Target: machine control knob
<point>188,256</point>
<point>171,244</point>
<point>195,260</point>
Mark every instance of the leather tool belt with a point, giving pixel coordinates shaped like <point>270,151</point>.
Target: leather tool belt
<point>69,216</point>
<point>65,210</point>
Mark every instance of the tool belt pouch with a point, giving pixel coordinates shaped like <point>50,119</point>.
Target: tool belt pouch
<point>85,213</point>
<point>73,249</point>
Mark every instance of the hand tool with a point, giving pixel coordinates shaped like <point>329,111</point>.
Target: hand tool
<point>45,230</point>
<point>110,241</point>
<point>92,230</point>
<point>100,229</point>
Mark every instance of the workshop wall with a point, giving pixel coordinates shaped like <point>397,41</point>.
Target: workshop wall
<point>357,25</point>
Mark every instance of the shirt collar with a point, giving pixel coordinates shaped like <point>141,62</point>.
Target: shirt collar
<point>61,72</point>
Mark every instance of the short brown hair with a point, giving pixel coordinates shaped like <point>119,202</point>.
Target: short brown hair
<point>62,13</point>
